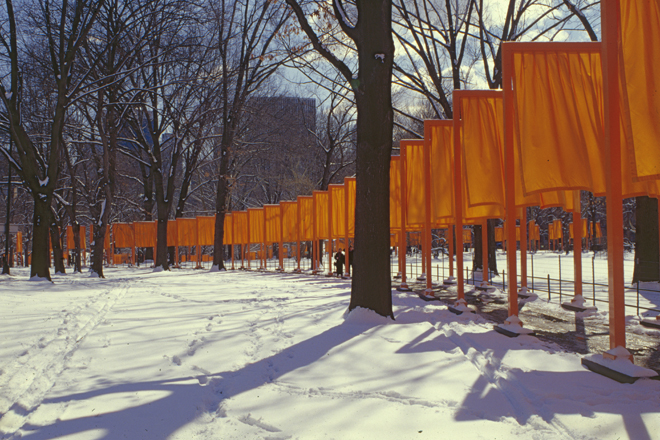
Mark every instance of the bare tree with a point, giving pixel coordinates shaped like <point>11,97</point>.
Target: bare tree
<point>61,28</point>
<point>247,34</point>
<point>368,27</point>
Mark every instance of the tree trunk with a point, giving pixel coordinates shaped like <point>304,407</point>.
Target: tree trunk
<point>371,286</point>
<point>40,248</point>
<point>646,240</point>
<point>220,204</point>
<point>161,238</point>
<point>492,250</point>
<point>56,243</point>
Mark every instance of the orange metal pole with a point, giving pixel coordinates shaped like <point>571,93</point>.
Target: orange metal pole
<point>427,209</point>
<point>198,248</point>
<point>509,173</point>
<point>404,205</point>
<point>458,197</point>
<point>484,250</point>
<point>233,240</point>
<point>451,250</point>
<point>523,248</point>
<point>298,232</point>
<point>346,246</point>
<point>281,244</point>
<point>315,244</point>
<point>577,246</point>
<point>248,239</point>
<point>133,250</point>
<point>264,246</point>
<point>330,232</point>
<point>610,18</point>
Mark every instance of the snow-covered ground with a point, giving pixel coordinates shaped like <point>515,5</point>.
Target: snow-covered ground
<point>245,355</point>
<point>558,266</point>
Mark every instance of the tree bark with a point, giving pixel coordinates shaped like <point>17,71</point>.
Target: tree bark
<point>371,286</point>
<point>40,253</point>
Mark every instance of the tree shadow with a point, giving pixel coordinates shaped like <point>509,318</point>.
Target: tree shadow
<point>174,400</point>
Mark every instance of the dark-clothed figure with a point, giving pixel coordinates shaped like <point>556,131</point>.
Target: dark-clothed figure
<point>339,263</point>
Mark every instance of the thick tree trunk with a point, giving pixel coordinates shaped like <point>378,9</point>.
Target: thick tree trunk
<point>371,286</point>
<point>218,240</point>
<point>647,266</point>
<point>56,244</point>
<point>98,248</point>
<point>161,239</point>
<point>40,247</point>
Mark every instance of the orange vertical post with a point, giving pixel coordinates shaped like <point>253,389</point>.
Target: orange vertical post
<point>458,198</point>
<point>233,240</point>
<point>509,183</point>
<point>451,250</point>
<point>346,239</point>
<point>404,203</point>
<point>329,232</point>
<point>133,249</point>
<point>198,248</point>
<point>523,248</point>
<point>427,210</point>
<point>610,18</point>
<point>298,234</point>
<point>577,245</point>
<point>315,249</point>
<point>281,244</point>
<point>248,239</point>
<point>264,245</point>
<point>484,250</point>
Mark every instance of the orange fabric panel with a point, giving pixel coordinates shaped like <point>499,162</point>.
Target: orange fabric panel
<point>517,233</point>
<point>145,234</point>
<point>640,72</point>
<point>83,237</point>
<point>483,149</point>
<point>395,193</point>
<point>394,239</point>
<point>338,200</point>
<point>306,206</point>
<point>321,200</point>
<point>122,233</point>
<point>187,230</point>
<point>206,230</point>
<point>558,123</point>
<point>273,232</point>
<point>172,233</point>
<point>240,219</point>
<point>19,242</point>
<point>350,184</point>
<point>499,233</point>
<point>70,242</point>
<point>441,142</point>
<point>467,236</point>
<point>415,191</point>
<point>256,227</point>
<point>289,221</point>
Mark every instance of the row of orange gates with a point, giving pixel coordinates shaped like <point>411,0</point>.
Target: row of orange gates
<point>570,117</point>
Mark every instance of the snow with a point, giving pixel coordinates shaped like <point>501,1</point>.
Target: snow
<point>44,182</point>
<point>187,354</point>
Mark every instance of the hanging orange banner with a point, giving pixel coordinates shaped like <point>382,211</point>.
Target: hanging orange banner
<point>273,232</point>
